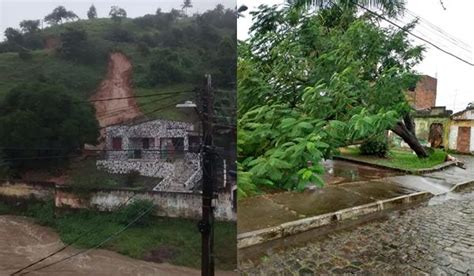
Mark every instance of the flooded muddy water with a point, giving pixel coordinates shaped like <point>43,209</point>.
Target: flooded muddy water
<point>23,242</point>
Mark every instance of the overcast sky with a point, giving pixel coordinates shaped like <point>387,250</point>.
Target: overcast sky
<point>12,12</point>
<point>455,78</point>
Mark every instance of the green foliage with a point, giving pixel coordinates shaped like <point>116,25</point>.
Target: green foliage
<point>58,14</point>
<point>39,120</point>
<point>42,212</point>
<point>117,13</point>
<point>25,55</point>
<point>312,81</point>
<point>376,146</point>
<point>92,12</point>
<point>138,208</point>
<point>29,26</point>
<point>76,47</point>
<point>119,34</point>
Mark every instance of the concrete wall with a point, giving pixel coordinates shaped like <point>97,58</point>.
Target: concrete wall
<point>184,205</point>
<point>423,124</point>
<point>453,135</point>
<point>22,190</point>
<point>169,204</point>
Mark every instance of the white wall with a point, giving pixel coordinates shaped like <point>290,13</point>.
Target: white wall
<point>453,137</point>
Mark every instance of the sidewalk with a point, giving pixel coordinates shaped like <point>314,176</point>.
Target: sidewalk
<point>351,190</point>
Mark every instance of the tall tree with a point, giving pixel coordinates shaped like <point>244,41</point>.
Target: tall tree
<point>117,14</point>
<point>29,26</point>
<point>92,12</point>
<point>312,80</point>
<point>59,14</point>
<point>186,5</point>
<point>13,35</point>
<point>39,124</point>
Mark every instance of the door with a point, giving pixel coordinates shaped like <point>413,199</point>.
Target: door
<point>436,135</point>
<point>463,141</point>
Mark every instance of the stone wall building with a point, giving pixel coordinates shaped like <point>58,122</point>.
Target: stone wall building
<point>167,150</point>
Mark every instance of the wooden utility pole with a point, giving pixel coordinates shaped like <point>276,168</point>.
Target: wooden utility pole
<point>206,225</point>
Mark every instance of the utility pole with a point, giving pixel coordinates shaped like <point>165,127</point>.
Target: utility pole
<point>206,225</point>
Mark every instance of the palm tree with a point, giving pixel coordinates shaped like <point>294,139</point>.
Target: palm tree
<point>186,4</point>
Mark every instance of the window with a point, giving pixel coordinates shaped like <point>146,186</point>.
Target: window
<point>171,147</point>
<point>117,143</point>
<point>194,143</point>
<point>146,143</point>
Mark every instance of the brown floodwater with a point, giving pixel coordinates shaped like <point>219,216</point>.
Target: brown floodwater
<point>23,242</point>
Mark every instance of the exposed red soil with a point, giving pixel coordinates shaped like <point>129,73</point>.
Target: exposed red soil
<point>117,84</point>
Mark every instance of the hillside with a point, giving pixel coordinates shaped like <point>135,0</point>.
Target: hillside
<point>167,51</point>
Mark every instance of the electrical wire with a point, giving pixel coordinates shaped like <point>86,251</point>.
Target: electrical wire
<point>96,246</point>
<point>136,96</point>
<point>411,33</point>
<point>68,245</point>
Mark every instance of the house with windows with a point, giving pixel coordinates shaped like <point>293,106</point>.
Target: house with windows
<point>167,150</point>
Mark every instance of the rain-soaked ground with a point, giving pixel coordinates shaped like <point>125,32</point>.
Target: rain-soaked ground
<point>23,242</point>
<point>347,185</point>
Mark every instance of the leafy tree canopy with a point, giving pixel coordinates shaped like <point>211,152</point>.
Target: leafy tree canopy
<point>117,13</point>
<point>29,26</point>
<point>40,120</point>
<point>312,80</point>
<point>59,14</point>
<point>92,12</point>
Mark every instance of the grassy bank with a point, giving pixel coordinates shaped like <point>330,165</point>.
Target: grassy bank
<point>173,240</point>
<point>399,159</point>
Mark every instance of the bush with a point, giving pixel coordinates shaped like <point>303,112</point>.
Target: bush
<point>43,213</point>
<point>132,211</point>
<point>25,55</point>
<point>377,147</point>
<point>119,34</point>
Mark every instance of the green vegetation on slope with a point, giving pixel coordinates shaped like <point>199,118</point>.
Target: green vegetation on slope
<point>166,49</point>
<point>154,239</point>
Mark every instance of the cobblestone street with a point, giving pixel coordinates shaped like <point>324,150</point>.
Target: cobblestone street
<point>437,239</point>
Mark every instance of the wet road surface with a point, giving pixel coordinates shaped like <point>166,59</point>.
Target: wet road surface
<point>347,185</point>
<point>436,239</point>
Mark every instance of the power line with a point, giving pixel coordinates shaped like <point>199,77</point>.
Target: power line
<point>135,96</point>
<point>68,245</point>
<point>409,32</point>
<point>96,246</point>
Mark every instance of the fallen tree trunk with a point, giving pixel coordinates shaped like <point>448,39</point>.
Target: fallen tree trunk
<point>408,135</point>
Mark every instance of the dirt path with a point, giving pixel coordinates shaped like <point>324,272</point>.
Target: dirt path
<point>22,242</point>
<point>117,84</point>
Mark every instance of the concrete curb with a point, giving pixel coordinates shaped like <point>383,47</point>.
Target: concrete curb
<point>436,168</point>
<point>298,226</point>
<point>463,185</point>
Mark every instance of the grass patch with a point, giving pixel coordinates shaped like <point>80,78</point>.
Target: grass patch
<point>84,175</point>
<point>399,159</point>
<point>173,240</point>
<point>166,104</point>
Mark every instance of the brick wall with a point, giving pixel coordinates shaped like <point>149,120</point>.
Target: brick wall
<point>424,95</point>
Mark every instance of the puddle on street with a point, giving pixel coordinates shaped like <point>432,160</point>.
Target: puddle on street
<point>338,171</point>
